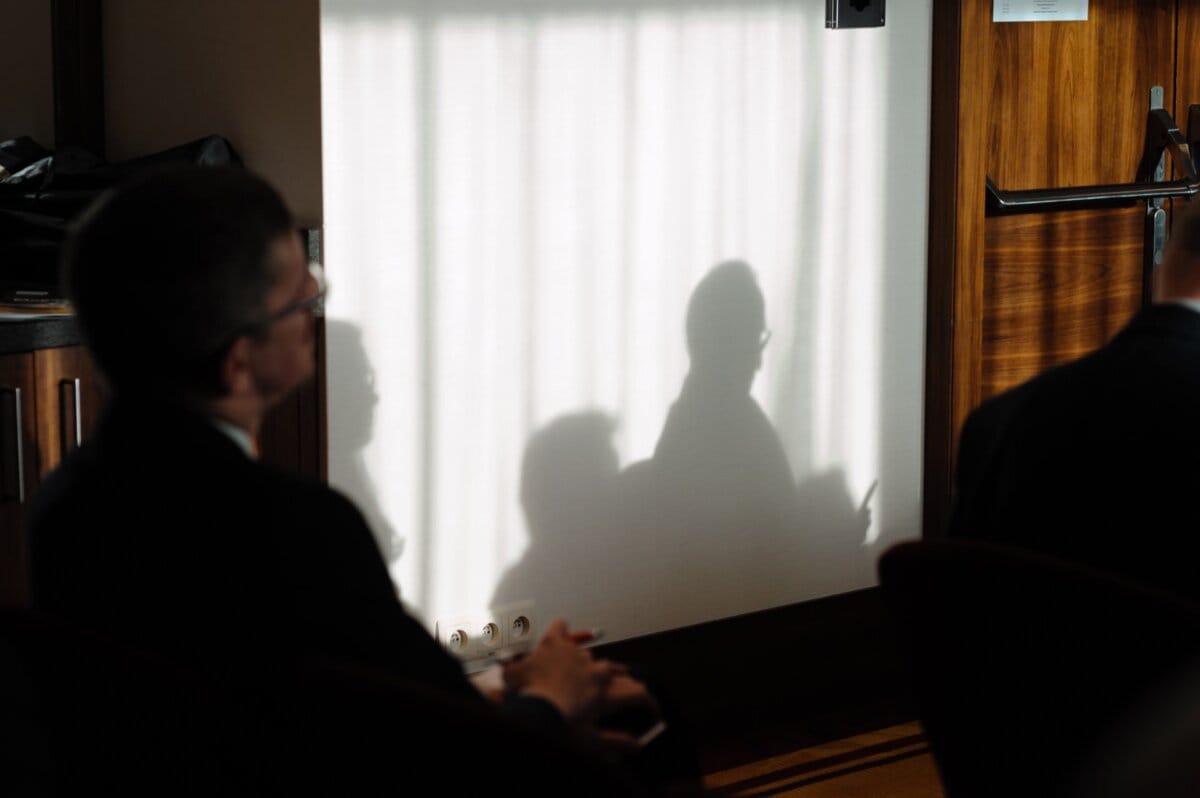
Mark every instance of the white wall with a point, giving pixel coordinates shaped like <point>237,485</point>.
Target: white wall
<point>520,198</point>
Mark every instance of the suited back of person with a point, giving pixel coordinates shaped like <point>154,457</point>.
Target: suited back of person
<point>96,716</point>
<point>93,717</point>
<point>1022,662</point>
<point>1096,460</point>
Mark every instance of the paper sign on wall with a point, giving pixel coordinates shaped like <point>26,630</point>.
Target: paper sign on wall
<point>1039,10</point>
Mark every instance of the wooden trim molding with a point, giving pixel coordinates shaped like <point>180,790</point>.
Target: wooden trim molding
<point>78,44</point>
<point>954,294</point>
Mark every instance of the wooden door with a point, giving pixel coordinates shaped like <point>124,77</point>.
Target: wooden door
<point>18,474</point>
<point>1036,105</point>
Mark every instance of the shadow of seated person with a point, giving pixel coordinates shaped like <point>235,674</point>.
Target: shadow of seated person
<point>585,563</point>
<point>833,550</point>
<point>569,495</point>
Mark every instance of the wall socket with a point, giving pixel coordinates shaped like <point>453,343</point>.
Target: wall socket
<point>493,635</point>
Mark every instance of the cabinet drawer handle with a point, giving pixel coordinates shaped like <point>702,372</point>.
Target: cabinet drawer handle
<point>16,392</point>
<point>71,387</point>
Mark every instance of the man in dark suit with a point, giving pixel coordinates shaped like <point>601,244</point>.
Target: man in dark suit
<point>164,531</point>
<point>1098,461</point>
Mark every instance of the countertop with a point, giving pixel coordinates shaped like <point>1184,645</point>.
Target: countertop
<point>26,336</point>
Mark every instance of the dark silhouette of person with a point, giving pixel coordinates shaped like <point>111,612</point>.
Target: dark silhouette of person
<point>716,429</point>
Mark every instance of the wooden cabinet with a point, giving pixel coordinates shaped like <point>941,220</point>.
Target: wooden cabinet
<point>51,396</point>
<point>49,402</point>
<point>18,473</point>
<point>69,396</point>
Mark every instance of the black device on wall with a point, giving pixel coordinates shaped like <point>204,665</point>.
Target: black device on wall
<point>854,13</point>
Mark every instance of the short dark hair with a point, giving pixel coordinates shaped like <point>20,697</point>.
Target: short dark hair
<point>165,270</point>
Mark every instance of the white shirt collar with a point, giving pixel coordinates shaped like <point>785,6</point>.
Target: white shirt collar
<point>235,434</point>
<point>1190,304</point>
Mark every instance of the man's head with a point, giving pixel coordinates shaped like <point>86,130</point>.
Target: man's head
<point>178,279</point>
<point>726,323</point>
<point>1179,275</point>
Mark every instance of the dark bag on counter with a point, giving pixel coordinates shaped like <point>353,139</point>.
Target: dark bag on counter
<point>42,191</point>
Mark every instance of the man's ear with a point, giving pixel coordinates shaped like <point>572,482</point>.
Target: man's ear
<point>236,376</point>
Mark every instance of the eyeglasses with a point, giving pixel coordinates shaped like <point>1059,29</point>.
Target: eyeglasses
<point>314,303</point>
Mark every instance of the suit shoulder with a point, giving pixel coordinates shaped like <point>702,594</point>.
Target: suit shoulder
<point>301,494</point>
<point>1055,384</point>
<point>320,520</point>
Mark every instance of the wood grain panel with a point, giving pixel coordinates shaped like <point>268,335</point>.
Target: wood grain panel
<point>1031,105</point>
<point>1069,99</point>
<point>16,371</point>
<point>55,371</point>
<point>1187,67</point>
<point>1069,103</point>
<point>1057,286</point>
<point>894,761</point>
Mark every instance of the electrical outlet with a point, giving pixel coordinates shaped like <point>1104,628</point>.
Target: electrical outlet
<point>491,636</point>
<point>472,639</point>
<point>520,629</point>
<point>497,634</point>
<point>455,636</point>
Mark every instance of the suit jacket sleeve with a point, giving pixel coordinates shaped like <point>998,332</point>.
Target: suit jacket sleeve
<point>346,603</point>
<point>353,605</point>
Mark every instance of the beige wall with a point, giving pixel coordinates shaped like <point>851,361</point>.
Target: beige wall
<point>248,70</point>
<point>27,96</point>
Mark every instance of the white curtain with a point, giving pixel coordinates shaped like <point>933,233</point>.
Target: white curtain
<point>519,200</point>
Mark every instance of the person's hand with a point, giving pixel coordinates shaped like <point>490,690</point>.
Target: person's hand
<point>490,682</point>
<point>626,697</point>
<point>564,674</point>
<point>626,693</point>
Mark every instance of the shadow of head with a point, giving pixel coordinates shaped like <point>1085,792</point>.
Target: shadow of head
<point>726,323</point>
<point>567,473</point>
<point>345,342</point>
